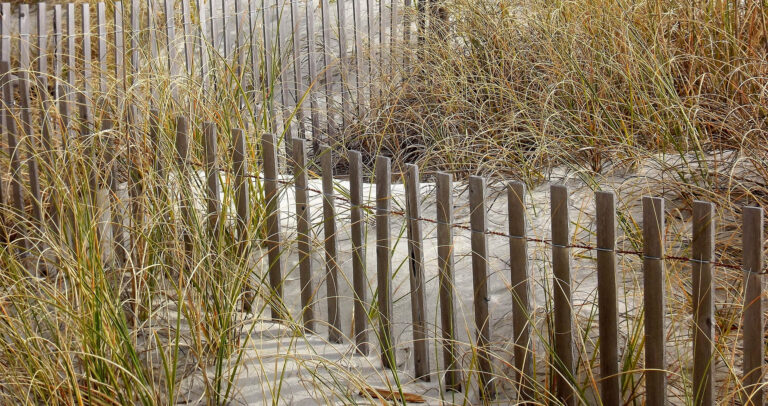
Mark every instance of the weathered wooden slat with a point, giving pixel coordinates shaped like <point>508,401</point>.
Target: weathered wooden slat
<point>359,277</point>
<point>85,95</point>
<point>331,246</point>
<point>283,36</point>
<point>653,294</point>
<point>26,115</point>
<point>172,49</point>
<point>417,279</point>
<point>327,66</point>
<point>304,229</point>
<point>42,39</point>
<point>521,296</point>
<point>226,48</point>
<point>153,53</point>
<point>314,105</point>
<point>371,22</point>
<point>203,42</point>
<point>213,199</point>
<point>383,260</point>
<point>242,204</point>
<point>253,47</point>
<point>607,299</point>
<point>274,237</point>
<point>101,13</point>
<point>565,367</point>
<point>753,322</point>
<point>479,225</point>
<point>58,39</point>
<point>342,64</point>
<point>8,121</point>
<point>445,265</point>
<point>184,170</point>
<point>269,83</point>
<point>189,52</point>
<point>358,52</point>
<point>298,77</point>
<point>703,304</point>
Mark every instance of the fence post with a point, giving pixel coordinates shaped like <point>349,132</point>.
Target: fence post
<point>561,290</point>
<point>304,229</point>
<point>274,238</point>
<point>212,169</point>
<point>242,204</point>
<point>314,107</point>
<point>416,262</point>
<point>297,73</point>
<point>754,340</point>
<point>359,278</point>
<point>331,246</point>
<point>358,56</point>
<point>445,266</point>
<point>383,260</point>
<point>327,34</point>
<point>703,305</point>
<point>479,225</point>
<point>342,26</point>
<point>521,299</point>
<point>17,191</point>
<point>653,293</point>
<point>182,162</point>
<point>607,301</point>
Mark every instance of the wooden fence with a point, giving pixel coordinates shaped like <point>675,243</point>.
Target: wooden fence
<point>200,43</point>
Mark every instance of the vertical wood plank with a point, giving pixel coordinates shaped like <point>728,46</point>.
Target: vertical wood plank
<point>42,39</point>
<point>101,16</point>
<point>298,77</point>
<point>86,111</point>
<point>417,279</point>
<point>274,237</point>
<point>371,21</point>
<point>242,204</point>
<point>186,13</point>
<point>49,153</point>
<point>58,38</point>
<point>343,69</point>
<point>185,204</point>
<point>224,32</point>
<point>269,85</point>
<point>152,34</point>
<point>607,299</point>
<point>358,53</point>
<point>203,42</point>
<point>16,189</point>
<point>521,296</point>
<point>653,294</point>
<point>327,64</point>
<point>283,38</point>
<point>212,173</point>
<point>383,260</point>
<point>703,304</point>
<point>561,290</point>
<point>479,225</point>
<point>314,108</point>
<point>304,229</point>
<point>753,323</point>
<point>26,114</point>
<point>331,246</point>
<point>173,57</point>
<point>406,31</point>
<point>445,265</point>
<point>359,278</point>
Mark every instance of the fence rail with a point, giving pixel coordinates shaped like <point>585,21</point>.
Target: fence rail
<point>215,47</point>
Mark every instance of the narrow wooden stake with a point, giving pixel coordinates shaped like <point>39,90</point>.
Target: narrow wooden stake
<point>212,173</point>
<point>173,64</point>
<point>242,204</point>
<point>417,279</point>
<point>342,27</point>
<point>653,294</point>
<point>753,336</point>
<point>359,278</point>
<point>331,246</point>
<point>189,53</point>
<point>42,40</point>
<point>479,225</point>
<point>269,85</point>
<point>71,54</point>
<point>330,135</point>
<point>561,290</point>
<point>282,41</point>
<point>383,259</point>
<point>304,229</point>
<point>274,238</point>
<point>182,162</point>
<point>157,157</point>
<point>607,299</point>
<point>46,121</point>
<point>8,121</point>
<point>203,43</point>
<point>26,115</point>
<point>101,38</point>
<point>314,105</point>
<point>85,96</point>
<point>521,296</point>
<point>358,27</point>
<point>703,305</point>
<point>58,39</point>
<point>297,73</point>
<point>369,9</point>
<point>446,268</point>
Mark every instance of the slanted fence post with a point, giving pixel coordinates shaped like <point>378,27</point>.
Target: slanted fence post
<point>653,293</point>
<point>521,299</point>
<point>703,304</point>
<point>445,267</point>
<point>383,259</point>
<point>561,290</point>
<point>753,336</point>
<point>417,279</point>
<point>607,302</point>
<point>479,225</point>
<point>274,237</point>
<point>359,277</point>
<point>331,246</point>
<point>304,229</point>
